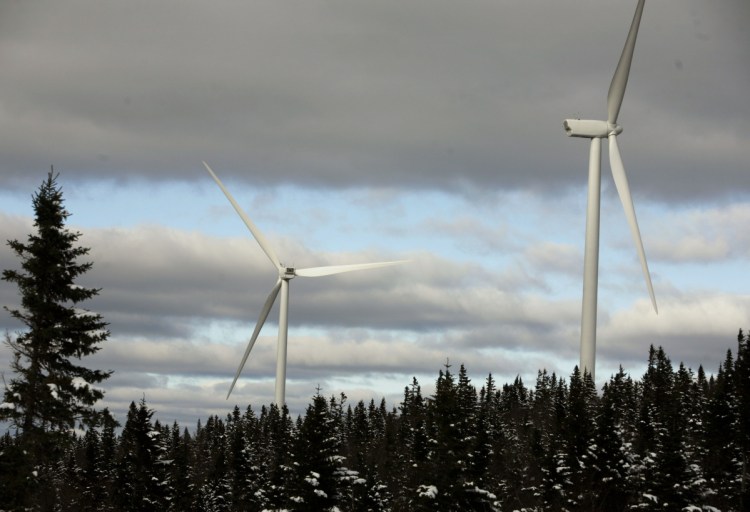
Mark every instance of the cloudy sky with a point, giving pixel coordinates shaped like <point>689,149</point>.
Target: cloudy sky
<point>354,131</point>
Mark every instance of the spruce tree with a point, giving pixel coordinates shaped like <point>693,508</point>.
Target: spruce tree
<point>318,458</point>
<point>141,465</point>
<point>413,440</point>
<point>51,391</point>
<point>580,431</point>
<point>615,430</point>
<point>520,487</point>
<point>273,446</point>
<point>179,488</point>
<point>742,434</point>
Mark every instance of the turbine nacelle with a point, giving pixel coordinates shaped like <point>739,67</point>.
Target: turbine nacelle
<point>590,129</point>
<point>287,273</point>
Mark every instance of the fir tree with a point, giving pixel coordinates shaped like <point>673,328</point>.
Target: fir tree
<point>742,386</point>
<point>723,468</point>
<point>273,446</point>
<point>92,472</point>
<point>665,470</point>
<point>615,431</point>
<point>108,461</point>
<point>687,430</point>
<point>520,486</point>
<point>51,391</point>
<point>487,451</point>
<point>317,458</point>
<point>141,472</point>
<point>384,426</point>
<point>212,482</point>
<point>579,431</point>
<point>180,490</point>
<point>359,436</point>
<point>13,483</point>
<point>413,443</point>
<point>452,416</point>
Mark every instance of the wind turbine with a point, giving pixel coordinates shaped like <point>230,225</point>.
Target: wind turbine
<point>286,274</point>
<point>596,131</point>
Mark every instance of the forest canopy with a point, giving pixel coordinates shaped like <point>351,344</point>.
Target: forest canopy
<point>674,439</point>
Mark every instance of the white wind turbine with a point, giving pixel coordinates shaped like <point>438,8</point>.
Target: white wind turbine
<point>282,284</point>
<point>596,131</point>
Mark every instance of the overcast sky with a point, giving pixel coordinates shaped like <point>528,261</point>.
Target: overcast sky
<point>365,131</point>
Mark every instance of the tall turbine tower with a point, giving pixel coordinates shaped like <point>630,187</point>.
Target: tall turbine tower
<point>286,274</point>
<point>596,131</point>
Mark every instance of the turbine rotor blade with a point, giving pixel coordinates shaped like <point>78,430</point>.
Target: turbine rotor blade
<point>620,78</point>
<point>261,320</point>
<point>259,237</point>
<point>623,189</point>
<point>340,269</point>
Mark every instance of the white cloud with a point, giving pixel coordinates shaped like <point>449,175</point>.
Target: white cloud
<point>703,234</point>
<point>696,328</point>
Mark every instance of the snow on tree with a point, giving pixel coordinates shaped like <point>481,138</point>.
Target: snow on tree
<point>141,462</point>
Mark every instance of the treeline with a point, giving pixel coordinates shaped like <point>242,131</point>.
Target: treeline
<point>673,440</point>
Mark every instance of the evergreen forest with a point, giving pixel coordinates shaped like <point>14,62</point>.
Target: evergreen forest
<point>673,440</point>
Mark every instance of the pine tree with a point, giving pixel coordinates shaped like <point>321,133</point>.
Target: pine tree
<point>413,444</point>
<point>452,416</point>
<point>580,432</point>
<point>665,470</point>
<point>614,440</point>
<point>213,486</point>
<point>13,483</point>
<point>359,436</point>
<point>276,437</point>
<point>520,486</point>
<point>317,458</point>
<point>723,467</point>
<point>108,461</point>
<point>380,456</point>
<point>687,428</point>
<point>51,392</point>
<point>742,387</point>
<point>179,486</point>
<point>92,490</point>
<point>488,448</point>
<point>141,472</point>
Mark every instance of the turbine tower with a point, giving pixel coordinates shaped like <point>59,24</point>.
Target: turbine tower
<point>596,131</point>
<point>286,274</point>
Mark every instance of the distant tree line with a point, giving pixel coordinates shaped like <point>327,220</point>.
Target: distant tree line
<point>673,440</point>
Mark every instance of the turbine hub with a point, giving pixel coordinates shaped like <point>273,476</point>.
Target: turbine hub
<point>286,273</point>
<point>614,129</point>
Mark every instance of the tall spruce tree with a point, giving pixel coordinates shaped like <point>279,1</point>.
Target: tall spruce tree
<point>51,391</point>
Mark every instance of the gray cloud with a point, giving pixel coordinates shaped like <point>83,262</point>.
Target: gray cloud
<point>416,94</point>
